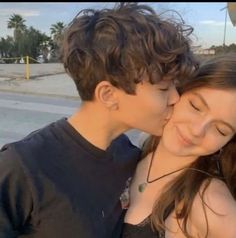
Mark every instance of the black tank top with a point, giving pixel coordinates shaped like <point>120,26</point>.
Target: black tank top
<point>141,230</point>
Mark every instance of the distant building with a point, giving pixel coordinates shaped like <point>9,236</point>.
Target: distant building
<point>200,51</point>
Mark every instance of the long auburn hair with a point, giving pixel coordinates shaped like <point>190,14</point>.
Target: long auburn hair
<point>218,73</point>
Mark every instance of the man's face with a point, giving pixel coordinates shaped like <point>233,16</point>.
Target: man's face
<point>150,108</point>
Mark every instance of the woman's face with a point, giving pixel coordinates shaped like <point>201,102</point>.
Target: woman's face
<point>203,121</point>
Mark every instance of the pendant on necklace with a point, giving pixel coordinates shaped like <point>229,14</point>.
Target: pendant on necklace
<point>141,187</point>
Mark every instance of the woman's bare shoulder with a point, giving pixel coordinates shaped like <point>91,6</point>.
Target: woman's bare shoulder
<point>217,205</point>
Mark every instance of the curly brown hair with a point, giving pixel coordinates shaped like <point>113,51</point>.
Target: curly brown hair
<point>121,44</point>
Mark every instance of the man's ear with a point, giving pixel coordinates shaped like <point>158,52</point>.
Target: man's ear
<point>106,94</point>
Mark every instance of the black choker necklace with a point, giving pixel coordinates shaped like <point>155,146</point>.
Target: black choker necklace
<point>142,186</point>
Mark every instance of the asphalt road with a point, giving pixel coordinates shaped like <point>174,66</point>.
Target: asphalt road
<point>21,114</point>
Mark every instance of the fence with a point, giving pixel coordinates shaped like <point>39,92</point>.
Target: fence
<point>25,68</point>
<point>24,60</point>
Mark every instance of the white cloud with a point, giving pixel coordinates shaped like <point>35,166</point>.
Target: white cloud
<point>207,22</point>
<point>214,23</point>
<point>22,12</point>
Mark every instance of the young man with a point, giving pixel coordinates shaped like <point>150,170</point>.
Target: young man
<point>66,179</point>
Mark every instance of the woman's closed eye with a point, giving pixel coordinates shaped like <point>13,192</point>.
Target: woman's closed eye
<point>164,89</point>
<point>221,132</point>
<point>194,106</point>
<point>224,130</point>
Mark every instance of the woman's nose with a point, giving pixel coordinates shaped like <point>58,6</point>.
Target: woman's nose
<point>198,128</point>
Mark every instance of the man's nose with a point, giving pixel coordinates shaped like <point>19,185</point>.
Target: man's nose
<point>174,96</point>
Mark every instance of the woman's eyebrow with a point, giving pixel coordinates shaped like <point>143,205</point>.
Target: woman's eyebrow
<point>205,103</point>
<point>201,98</point>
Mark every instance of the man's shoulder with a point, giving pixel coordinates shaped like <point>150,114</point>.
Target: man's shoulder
<point>26,143</point>
<point>123,141</point>
<point>124,150</point>
<point>8,156</point>
<point>35,137</point>
<point>122,138</point>
<point>15,156</point>
<point>30,146</point>
<point>11,168</point>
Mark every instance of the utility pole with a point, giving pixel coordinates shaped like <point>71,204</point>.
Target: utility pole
<point>226,12</point>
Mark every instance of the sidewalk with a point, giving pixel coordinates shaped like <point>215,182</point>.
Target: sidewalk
<point>51,85</point>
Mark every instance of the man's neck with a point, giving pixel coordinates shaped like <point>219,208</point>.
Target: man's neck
<point>96,126</point>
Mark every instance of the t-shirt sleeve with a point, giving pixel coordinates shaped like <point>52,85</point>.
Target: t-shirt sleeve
<point>15,195</point>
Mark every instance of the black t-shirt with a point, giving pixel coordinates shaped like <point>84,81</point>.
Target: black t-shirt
<point>55,184</point>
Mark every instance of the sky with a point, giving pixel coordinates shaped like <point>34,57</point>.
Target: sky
<point>207,19</point>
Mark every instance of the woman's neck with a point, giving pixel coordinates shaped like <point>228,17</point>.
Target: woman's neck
<point>164,161</point>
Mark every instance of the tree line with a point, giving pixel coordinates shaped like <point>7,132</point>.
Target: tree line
<point>30,41</point>
<point>224,48</point>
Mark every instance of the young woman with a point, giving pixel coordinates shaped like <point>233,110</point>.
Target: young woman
<point>185,185</point>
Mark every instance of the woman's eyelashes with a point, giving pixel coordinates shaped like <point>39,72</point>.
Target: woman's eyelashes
<point>164,89</point>
<point>194,106</point>
<point>222,133</point>
<point>198,109</point>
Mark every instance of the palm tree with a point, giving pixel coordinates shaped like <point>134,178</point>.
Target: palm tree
<point>45,47</point>
<point>17,23</point>
<point>57,31</point>
<point>7,47</point>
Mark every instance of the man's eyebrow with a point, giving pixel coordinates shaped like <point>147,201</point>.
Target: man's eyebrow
<point>205,103</point>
